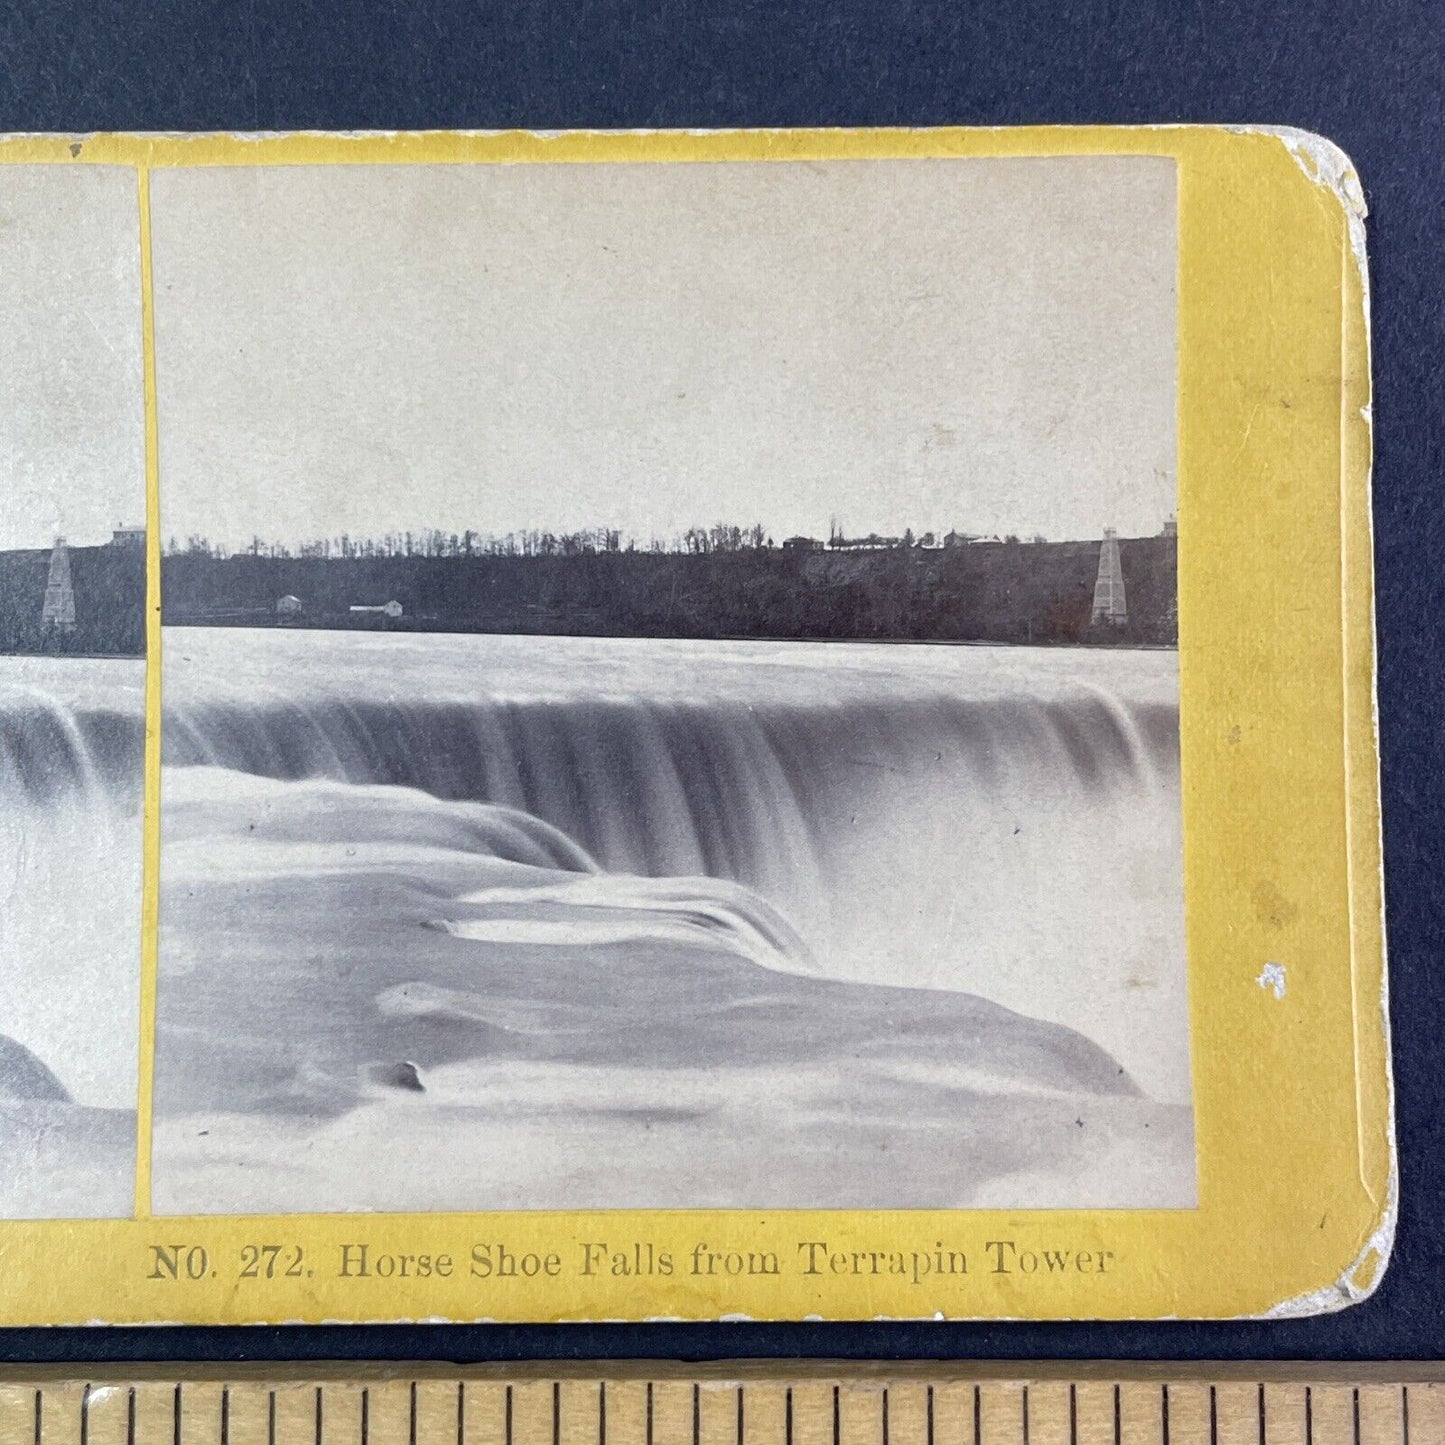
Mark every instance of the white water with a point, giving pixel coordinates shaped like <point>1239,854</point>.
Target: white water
<point>70,869</point>
<point>610,848</point>
<point>997,821</point>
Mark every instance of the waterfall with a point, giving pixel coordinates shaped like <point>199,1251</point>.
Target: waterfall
<point>71,759</point>
<point>1000,821</point>
<point>1003,822</point>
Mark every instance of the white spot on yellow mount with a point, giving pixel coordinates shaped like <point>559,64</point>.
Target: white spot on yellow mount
<point>1273,977</point>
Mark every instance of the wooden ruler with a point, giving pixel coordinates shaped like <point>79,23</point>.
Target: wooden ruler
<point>819,1404</point>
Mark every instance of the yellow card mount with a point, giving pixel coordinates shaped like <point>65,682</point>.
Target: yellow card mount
<point>769,724</point>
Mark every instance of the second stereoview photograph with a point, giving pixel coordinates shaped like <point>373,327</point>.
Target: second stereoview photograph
<point>670,687</point>
<point>72,689</point>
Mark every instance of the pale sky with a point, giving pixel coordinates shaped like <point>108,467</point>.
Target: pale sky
<point>981,343</point>
<point>72,418</point>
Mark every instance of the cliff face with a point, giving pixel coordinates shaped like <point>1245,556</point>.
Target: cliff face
<point>109,589</point>
<point>1006,591</point>
<point>988,591</point>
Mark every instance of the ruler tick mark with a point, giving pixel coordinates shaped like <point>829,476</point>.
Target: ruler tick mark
<point>99,1414</point>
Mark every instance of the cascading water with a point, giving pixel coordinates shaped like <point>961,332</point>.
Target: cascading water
<point>1003,822</point>
<point>758,916</point>
<point>71,739</point>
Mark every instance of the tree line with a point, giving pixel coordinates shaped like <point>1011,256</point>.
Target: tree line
<point>720,537</point>
<point>987,591</point>
<point>438,542</point>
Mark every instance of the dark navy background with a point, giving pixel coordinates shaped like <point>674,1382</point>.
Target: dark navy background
<point>1367,75</point>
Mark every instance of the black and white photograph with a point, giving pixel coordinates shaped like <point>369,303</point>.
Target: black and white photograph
<point>670,688</point>
<point>72,689</point>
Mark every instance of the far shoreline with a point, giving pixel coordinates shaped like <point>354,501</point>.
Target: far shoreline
<point>1049,645</point>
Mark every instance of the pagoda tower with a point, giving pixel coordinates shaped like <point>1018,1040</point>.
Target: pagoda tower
<point>1109,603</point>
<point>58,613</point>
